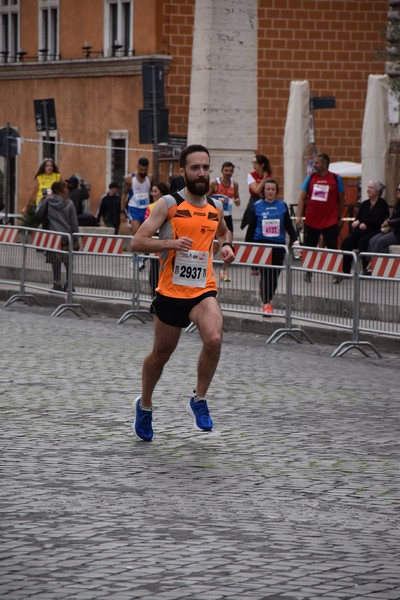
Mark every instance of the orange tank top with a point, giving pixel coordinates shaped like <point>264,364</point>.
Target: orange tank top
<point>189,274</point>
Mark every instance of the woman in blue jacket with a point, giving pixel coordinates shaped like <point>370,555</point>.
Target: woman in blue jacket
<point>269,222</point>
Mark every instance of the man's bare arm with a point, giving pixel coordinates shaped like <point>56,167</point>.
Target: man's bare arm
<point>300,207</point>
<point>144,241</point>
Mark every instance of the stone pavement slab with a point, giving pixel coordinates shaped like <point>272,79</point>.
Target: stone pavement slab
<point>295,495</point>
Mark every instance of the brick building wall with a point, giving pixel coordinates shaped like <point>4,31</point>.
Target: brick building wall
<point>331,44</point>
<point>334,46</point>
<point>177,35</point>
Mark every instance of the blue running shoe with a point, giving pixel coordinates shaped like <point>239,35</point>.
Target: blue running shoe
<point>141,425</point>
<point>201,414</point>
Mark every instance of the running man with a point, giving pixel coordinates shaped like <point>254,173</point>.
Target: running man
<point>187,222</point>
<point>136,194</point>
<point>226,189</point>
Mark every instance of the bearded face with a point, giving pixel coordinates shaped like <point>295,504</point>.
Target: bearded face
<point>198,186</point>
<point>197,173</point>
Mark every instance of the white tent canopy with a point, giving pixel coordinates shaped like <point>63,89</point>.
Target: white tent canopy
<point>346,168</point>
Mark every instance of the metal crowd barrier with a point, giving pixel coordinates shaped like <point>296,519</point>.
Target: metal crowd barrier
<point>382,289</point>
<point>29,254</point>
<point>103,270</point>
<point>306,291</point>
<point>322,293</point>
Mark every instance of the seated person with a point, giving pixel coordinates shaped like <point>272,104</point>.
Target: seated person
<point>390,231</point>
<point>373,212</point>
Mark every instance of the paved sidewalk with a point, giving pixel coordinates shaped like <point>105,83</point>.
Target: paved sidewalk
<point>295,495</point>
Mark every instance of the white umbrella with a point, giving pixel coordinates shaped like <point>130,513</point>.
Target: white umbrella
<point>296,139</point>
<point>375,132</point>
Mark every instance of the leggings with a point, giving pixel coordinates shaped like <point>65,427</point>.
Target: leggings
<point>269,277</point>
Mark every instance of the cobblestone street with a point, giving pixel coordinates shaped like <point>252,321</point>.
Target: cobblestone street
<point>294,495</point>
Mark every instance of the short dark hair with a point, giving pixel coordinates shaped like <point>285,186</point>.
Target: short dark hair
<point>113,184</point>
<point>325,158</point>
<point>143,161</point>
<point>227,164</point>
<point>269,180</point>
<point>190,150</point>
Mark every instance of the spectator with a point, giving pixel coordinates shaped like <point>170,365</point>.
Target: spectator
<point>322,201</point>
<point>157,191</point>
<point>77,192</point>
<point>371,215</point>
<point>110,208</point>
<point>255,181</point>
<point>60,214</point>
<point>45,176</point>
<point>389,234</point>
<point>176,184</point>
<point>269,220</point>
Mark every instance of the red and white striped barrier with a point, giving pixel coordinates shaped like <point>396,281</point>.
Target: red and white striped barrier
<point>257,255</point>
<point>8,235</point>
<point>322,261</point>
<point>46,241</point>
<point>102,245</point>
<point>385,267</point>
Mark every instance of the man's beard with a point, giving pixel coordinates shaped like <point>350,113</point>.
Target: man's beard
<point>198,187</point>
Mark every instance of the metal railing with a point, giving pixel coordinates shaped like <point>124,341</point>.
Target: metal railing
<point>307,291</point>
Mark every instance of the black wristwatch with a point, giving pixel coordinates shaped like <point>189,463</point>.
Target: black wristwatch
<point>228,244</point>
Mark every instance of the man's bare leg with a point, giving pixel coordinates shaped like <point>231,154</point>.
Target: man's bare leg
<point>135,226</point>
<point>165,341</point>
<point>208,318</point>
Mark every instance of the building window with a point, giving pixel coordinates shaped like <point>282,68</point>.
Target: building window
<point>118,28</point>
<point>9,40</point>
<point>48,30</point>
<point>46,149</point>
<point>117,157</point>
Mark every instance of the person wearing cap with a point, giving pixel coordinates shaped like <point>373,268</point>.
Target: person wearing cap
<point>110,208</point>
<point>77,192</point>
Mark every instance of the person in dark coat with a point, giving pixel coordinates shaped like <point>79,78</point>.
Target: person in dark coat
<point>60,215</point>
<point>77,192</point>
<point>371,215</point>
<point>110,208</point>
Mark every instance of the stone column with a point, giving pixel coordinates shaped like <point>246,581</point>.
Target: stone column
<point>223,95</point>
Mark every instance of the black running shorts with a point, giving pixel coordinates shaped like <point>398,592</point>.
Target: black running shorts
<point>175,311</point>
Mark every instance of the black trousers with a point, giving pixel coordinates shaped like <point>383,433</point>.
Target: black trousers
<point>330,235</point>
<point>57,259</point>
<point>357,240</point>
<point>269,277</point>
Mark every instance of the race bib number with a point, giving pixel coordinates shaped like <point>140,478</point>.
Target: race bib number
<point>227,206</point>
<point>320,192</point>
<point>190,269</point>
<point>271,227</point>
<point>139,200</point>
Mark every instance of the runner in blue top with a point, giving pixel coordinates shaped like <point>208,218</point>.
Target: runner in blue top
<point>269,222</point>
